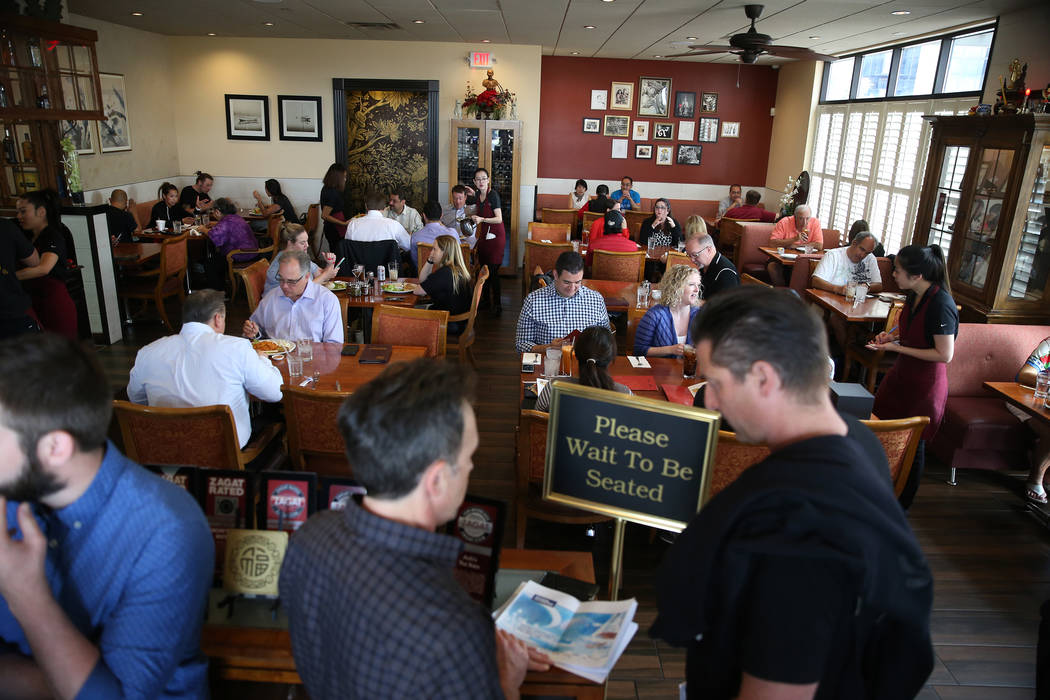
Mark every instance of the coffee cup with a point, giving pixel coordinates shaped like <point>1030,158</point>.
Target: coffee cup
<point>161,224</point>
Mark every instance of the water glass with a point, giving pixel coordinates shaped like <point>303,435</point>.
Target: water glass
<point>1042,385</point>
<point>161,224</point>
<point>391,271</point>
<point>305,347</point>
<point>178,227</point>
<point>295,365</point>
<point>851,290</point>
<point>640,302</point>
<point>576,246</point>
<point>688,361</point>
<point>552,362</point>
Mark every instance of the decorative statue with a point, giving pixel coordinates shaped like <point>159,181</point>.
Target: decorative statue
<point>458,112</point>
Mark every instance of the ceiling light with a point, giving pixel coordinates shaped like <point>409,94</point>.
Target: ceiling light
<point>898,33</point>
<point>588,26</point>
<point>267,24</point>
<point>814,37</point>
<point>607,0</point>
<point>211,33</point>
<point>690,38</point>
<point>486,41</point>
<point>901,13</point>
<point>418,21</point>
<point>657,56</point>
<point>136,14</point>
<point>575,53</point>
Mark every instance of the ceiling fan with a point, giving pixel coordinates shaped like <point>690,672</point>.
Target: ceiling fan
<point>751,44</point>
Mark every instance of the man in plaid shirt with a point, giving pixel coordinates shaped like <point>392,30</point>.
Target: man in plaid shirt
<point>373,608</point>
<point>553,312</point>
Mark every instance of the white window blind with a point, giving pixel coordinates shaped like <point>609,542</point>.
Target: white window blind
<point>868,161</point>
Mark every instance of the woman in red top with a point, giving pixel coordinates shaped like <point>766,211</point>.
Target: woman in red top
<point>38,215</point>
<point>492,237</point>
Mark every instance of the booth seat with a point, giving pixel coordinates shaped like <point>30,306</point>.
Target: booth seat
<point>681,209</point>
<point>978,432</point>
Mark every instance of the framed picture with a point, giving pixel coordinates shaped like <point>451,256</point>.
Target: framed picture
<point>664,155</point>
<point>619,148</point>
<point>686,131</point>
<point>80,133</point>
<point>114,132</point>
<point>654,97</point>
<point>684,104</point>
<point>622,96</point>
<point>641,130</point>
<point>616,125</point>
<point>708,129</point>
<point>709,102</point>
<point>643,151</point>
<point>298,118</point>
<point>730,130</point>
<point>248,117</point>
<point>592,126</point>
<point>599,99</point>
<point>689,154</point>
<point>663,131</point>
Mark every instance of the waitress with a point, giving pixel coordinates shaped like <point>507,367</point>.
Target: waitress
<point>492,237</point>
<point>38,215</point>
<point>917,384</point>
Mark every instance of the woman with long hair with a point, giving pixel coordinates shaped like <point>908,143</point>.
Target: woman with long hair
<point>924,340</point>
<point>664,330</point>
<point>660,228</point>
<point>445,278</point>
<point>296,237</point>
<point>492,236</point>
<point>332,207</point>
<point>595,350</point>
<point>38,215</point>
<point>278,203</point>
<point>167,209</point>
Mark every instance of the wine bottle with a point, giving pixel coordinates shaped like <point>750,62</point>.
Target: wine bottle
<point>43,101</point>
<point>28,151</point>
<point>33,46</point>
<point>9,147</point>
<point>3,96</point>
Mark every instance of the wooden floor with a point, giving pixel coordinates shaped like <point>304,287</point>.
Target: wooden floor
<point>989,556</point>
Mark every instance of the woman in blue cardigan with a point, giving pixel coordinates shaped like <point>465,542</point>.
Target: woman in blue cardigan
<point>664,329</point>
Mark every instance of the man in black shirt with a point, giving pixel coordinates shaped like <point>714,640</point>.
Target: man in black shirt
<point>801,579</point>
<point>15,251</point>
<point>195,198</point>
<point>121,223</point>
<point>717,273</point>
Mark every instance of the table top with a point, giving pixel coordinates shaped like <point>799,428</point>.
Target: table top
<point>663,370</point>
<point>389,298</point>
<point>871,309</point>
<point>1023,397</point>
<point>135,253</point>
<point>787,258</point>
<point>333,366</point>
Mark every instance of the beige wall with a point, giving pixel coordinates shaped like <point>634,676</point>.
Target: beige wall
<point>797,92</point>
<point>1022,35</point>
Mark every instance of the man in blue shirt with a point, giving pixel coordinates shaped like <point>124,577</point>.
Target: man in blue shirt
<point>627,197</point>
<point>104,567</point>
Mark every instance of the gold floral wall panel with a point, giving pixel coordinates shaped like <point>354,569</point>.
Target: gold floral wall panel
<point>387,144</point>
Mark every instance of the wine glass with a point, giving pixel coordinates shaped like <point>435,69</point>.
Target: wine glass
<point>357,271</point>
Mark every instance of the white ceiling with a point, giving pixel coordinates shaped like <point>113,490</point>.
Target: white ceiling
<point>623,28</point>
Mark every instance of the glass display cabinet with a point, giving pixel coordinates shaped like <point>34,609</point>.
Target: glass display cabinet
<point>985,201</point>
<point>496,146</point>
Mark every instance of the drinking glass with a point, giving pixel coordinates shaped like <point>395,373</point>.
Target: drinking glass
<point>1042,384</point>
<point>305,347</point>
<point>391,271</point>
<point>851,290</point>
<point>161,224</point>
<point>552,361</point>
<point>178,227</point>
<point>357,271</point>
<point>566,359</point>
<point>688,361</point>
<point>860,293</point>
<point>640,301</point>
<point>295,365</point>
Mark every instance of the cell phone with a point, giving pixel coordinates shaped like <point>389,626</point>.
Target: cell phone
<point>528,369</point>
<point>351,350</point>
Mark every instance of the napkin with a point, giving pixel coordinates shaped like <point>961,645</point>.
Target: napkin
<point>638,362</point>
<point>635,382</point>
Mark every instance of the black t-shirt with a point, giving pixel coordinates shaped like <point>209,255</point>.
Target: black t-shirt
<point>286,206</point>
<point>439,285</point>
<point>942,318</point>
<point>600,205</point>
<point>161,210</point>
<point>660,237</point>
<point>51,240</point>
<point>188,199</point>
<point>331,197</point>
<point>121,223</point>
<point>719,276</point>
<point>492,198</point>
<point>14,247</point>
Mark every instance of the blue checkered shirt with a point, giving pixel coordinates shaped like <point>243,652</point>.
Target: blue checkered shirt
<point>130,562</point>
<point>374,612</point>
<point>546,316</point>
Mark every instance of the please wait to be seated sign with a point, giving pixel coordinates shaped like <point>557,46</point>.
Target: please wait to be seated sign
<point>642,460</point>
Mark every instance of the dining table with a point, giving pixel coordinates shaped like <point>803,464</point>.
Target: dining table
<point>661,380</point>
<point>871,310</point>
<point>788,257</point>
<point>339,372</point>
<point>1023,397</point>
<point>371,300</point>
<point>135,254</point>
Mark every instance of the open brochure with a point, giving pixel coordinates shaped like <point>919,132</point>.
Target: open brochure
<point>583,638</point>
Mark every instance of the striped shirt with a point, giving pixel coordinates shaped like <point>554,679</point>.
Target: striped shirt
<point>546,316</point>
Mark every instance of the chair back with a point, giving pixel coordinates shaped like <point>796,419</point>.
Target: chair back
<point>802,272</point>
<point>141,211</point>
<point>900,439</point>
<point>894,316</point>
<point>532,448</point>
<point>371,254</point>
<point>313,217</point>
<point>751,279</point>
<point>634,219</point>
<point>589,217</point>
<point>559,216</point>
<point>676,258</point>
<point>886,273</point>
<point>555,233</point>
<point>622,267</point>
<point>173,260</point>
<point>469,316</point>
<point>314,441</point>
<point>732,457</point>
<point>400,325</point>
<point>423,252</point>
<point>254,279</point>
<point>273,230</point>
<point>542,255</point>
<point>204,436</point>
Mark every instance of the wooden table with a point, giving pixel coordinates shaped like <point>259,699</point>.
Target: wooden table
<point>242,650</point>
<point>868,311</point>
<point>663,370</point>
<point>334,367</point>
<point>389,298</point>
<point>1023,397</point>
<point>135,254</point>
<point>786,259</point>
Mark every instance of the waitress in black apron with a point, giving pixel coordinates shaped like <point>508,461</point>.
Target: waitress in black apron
<point>492,237</point>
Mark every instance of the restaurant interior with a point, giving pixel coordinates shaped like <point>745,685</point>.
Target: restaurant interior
<point>281,89</point>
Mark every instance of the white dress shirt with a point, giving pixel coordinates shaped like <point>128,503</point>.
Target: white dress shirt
<point>199,367</point>
<point>409,218</point>
<point>373,226</point>
<point>836,268</point>
<point>314,315</point>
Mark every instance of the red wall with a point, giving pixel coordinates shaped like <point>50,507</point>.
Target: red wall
<point>565,99</point>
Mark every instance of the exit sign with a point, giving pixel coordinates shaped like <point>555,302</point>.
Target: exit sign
<point>480,59</point>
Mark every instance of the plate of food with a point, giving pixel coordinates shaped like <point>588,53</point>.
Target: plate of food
<point>271,346</point>
<point>336,285</point>
<point>398,287</point>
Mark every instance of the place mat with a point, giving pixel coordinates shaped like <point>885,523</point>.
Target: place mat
<point>676,393</point>
<point>636,382</point>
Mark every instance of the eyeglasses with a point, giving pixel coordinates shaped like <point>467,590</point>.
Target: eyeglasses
<point>281,280</point>
<point>696,255</point>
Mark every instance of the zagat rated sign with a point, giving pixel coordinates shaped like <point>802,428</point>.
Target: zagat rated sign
<point>639,459</point>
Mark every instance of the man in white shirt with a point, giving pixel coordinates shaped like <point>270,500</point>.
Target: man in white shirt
<point>202,367</point>
<point>298,308</point>
<point>374,226</point>
<point>398,210</point>
<point>841,266</point>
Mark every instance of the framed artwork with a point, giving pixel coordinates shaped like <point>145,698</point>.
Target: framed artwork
<point>619,148</point>
<point>298,118</point>
<point>654,97</point>
<point>689,154</point>
<point>114,132</point>
<point>80,133</point>
<point>684,104</point>
<point>622,96</point>
<point>686,130</point>
<point>663,131</point>
<point>599,99</point>
<point>248,117</point>
<point>664,155</point>
<point>708,129</point>
<point>643,151</point>
<point>616,125</point>
<point>592,126</point>
<point>641,130</point>
<point>730,130</point>
<point>709,102</point>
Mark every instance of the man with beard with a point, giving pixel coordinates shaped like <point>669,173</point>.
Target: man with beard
<point>104,567</point>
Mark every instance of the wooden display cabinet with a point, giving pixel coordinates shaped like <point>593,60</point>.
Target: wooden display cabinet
<point>985,201</point>
<point>496,146</point>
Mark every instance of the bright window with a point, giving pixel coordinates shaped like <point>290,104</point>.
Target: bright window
<point>966,62</point>
<point>840,76</point>
<point>917,69</point>
<point>874,74</point>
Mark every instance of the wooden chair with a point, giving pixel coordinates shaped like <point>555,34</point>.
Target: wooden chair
<point>530,438</point>
<point>314,441</point>
<point>873,361</point>
<point>273,230</point>
<point>568,217</point>
<point>900,438</point>
<point>253,277</point>
<point>751,279</point>
<point>165,281</point>
<point>463,344</point>
<point>400,325</point>
<point>732,457</point>
<point>141,212</point>
<point>634,219</point>
<point>622,267</point>
<point>676,258</point>
<point>555,233</point>
<point>542,255</point>
<point>344,303</point>
<point>205,436</point>
<point>423,252</point>
<point>589,217</point>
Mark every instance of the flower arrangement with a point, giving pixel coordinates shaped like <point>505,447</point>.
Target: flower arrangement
<point>490,104</point>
